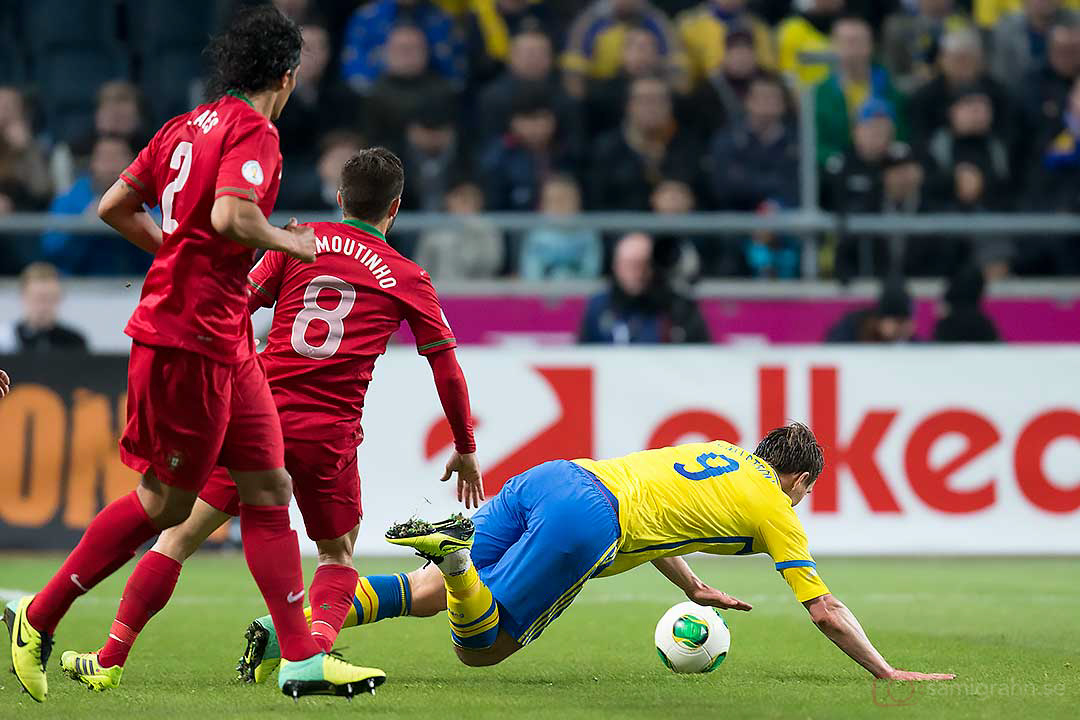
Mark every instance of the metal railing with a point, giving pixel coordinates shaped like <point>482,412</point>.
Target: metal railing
<point>794,222</point>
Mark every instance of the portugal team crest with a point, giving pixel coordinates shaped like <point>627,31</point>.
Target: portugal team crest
<point>175,460</point>
<point>252,172</point>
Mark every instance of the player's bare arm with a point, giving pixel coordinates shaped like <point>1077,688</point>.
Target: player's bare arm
<point>5,383</point>
<point>123,210</point>
<point>243,222</point>
<point>840,625</point>
<point>678,571</point>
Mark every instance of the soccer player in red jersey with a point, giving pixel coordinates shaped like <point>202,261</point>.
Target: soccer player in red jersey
<point>332,320</point>
<point>197,395</point>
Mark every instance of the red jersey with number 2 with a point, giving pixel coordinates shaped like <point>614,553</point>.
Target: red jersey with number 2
<point>332,320</point>
<point>195,294</point>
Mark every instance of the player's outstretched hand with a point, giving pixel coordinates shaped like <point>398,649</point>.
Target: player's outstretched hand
<point>910,675</point>
<point>302,246</point>
<point>5,383</point>
<point>470,484</point>
<point>711,597</point>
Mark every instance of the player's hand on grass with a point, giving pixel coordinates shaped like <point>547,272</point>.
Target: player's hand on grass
<point>5,383</point>
<point>470,485</point>
<point>302,245</point>
<point>906,675</point>
<point>711,597</point>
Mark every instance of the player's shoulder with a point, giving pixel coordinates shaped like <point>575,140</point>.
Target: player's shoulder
<point>365,244</point>
<point>236,114</point>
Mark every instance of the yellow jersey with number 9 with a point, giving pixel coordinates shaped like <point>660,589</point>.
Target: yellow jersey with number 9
<point>710,497</point>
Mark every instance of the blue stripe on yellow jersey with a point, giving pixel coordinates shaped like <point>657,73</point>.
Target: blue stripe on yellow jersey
<point>710,497</point>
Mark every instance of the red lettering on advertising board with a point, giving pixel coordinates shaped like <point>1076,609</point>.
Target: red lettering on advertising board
<point>693,426</point>
<point>857,455</point>
<point>772,391</point>
<point>930,482</point>
<point>569,436</point>
<point>1031,445</point>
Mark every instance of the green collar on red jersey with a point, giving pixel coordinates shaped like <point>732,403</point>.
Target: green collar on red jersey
<point>369,229</point>
<point>241,96</point>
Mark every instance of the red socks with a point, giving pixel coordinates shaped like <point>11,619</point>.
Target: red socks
<point>332,592</point>
<point>146,593</point>
<point>110,541</point>
<point>273,556</point>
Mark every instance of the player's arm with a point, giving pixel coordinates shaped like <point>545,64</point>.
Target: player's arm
<point>5,383</point>
<point>264,281</point>
<point>840,625</point>
<point>454,396</point>
<point>122,208</point>
<point>678,571</point>
<point>435,340</point>
<point>785,540</point>
<point>243,222</point>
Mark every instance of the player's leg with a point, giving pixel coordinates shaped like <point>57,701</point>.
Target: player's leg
<point>420,593</point>
<point>254,453</point>
<point>456,547</point>
<point>146,593</point>
<point>170,456</point>
<point>326,484</point>
<point>570,533</point>
<point>332,588</point>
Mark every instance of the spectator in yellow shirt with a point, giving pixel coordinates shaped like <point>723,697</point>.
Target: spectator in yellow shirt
<point>704,31</point>
<point>807,33</point>
<point>988,12</point>
<point>595,46</point>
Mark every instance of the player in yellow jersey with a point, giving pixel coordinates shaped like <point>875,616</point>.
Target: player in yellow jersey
<point>508,573</point>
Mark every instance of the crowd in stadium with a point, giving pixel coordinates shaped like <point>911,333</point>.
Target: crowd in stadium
<point>558,106</point>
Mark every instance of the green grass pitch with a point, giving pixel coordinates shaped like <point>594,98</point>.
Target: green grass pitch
<point>1010,629</point>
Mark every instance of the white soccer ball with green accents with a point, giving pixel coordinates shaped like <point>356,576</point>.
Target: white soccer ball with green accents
<point>692,638</point>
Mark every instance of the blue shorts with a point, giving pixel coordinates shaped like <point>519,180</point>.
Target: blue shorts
<point>547,531</point>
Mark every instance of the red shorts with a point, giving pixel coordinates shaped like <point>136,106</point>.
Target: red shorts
<point>188,414</point>
<point>326,485</point>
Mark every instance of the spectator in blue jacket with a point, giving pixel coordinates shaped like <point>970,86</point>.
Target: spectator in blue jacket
<point>106,254</point>
<point>757,160</point>
<point>370,26</point>
<point>515,166</point>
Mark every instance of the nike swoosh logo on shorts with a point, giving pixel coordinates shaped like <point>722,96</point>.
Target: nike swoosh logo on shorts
<point>293,597</point>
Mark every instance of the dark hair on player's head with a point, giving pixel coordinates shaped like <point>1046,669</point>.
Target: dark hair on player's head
<point>792,449</point>
<point>370,182</point>
<point>254,52</point>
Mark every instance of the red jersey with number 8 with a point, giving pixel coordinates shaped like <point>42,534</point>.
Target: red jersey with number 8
<point>195,294</point>
<point>332,320</point>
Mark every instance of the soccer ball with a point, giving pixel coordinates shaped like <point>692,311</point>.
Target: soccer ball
<point>692,638</point>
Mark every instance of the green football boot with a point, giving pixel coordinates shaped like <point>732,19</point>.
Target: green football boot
<point>262,654</point>
<point>327,674</point>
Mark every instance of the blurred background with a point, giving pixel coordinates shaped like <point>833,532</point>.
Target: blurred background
<point>739,176</point>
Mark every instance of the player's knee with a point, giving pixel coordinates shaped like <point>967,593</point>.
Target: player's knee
<point>165,506</point>
<point>176,544</point>
<point>479,658</point>
<point>171,513</point>
<point>271,487</point>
